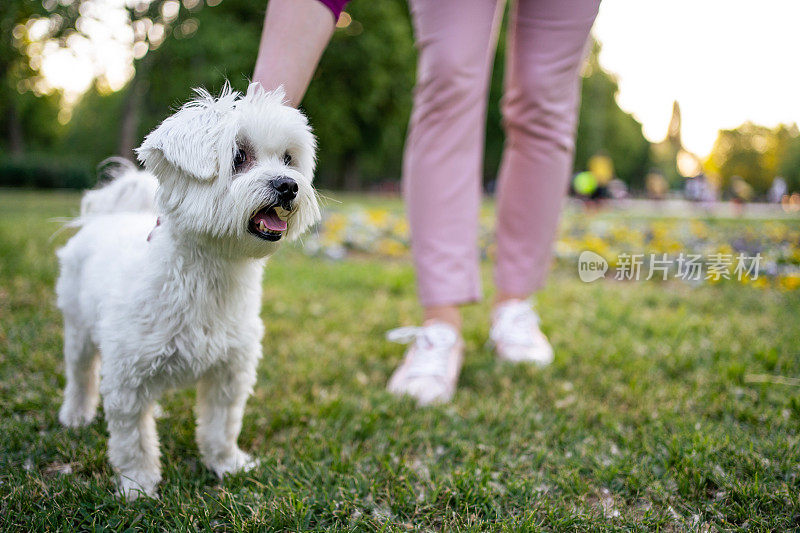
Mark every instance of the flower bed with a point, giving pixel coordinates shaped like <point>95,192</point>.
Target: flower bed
<point>775,245</point>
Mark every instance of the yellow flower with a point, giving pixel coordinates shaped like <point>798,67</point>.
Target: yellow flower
<point>377,217</point>
<point>761,282</point>
<point>624,235</point>
<point>660,230</point>
<point>595,244</point>
<point>391,247</point>
<point>564,246</point>
<point>725,249</point>
<point>400,228</point>
<point>790,282</point>
<point>335,223</point>
<point>776,231</point>
<point>698,229</point>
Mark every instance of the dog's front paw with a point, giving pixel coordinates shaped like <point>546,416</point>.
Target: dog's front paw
<point>130,489</point>
<point>74,415</point>
<point>238,461</point>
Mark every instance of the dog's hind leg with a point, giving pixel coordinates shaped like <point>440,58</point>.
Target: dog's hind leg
<point>133,441</point>
<point>82,365</point>
<point>221,396</point>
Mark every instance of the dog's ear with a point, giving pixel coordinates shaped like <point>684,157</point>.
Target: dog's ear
<point>197,139</point>
<point>186,140</point>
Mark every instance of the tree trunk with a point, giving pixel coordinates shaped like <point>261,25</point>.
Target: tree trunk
<point>351,177</point>
<point>131,110</point>
<point>16,137</point>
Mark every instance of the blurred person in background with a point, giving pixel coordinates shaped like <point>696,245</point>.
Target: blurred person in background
<point>602,167</point>
<point>693,188</point>
<point>617,189</point>
<point>777,190</point>
<point>656,185</point>
<point>443,158</point>
<point>741,194</point>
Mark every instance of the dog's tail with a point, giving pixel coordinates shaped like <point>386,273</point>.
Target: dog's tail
<point>126,188</point>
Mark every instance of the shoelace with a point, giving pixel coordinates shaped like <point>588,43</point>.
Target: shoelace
<point>515,324</point>
<point>433,345</point>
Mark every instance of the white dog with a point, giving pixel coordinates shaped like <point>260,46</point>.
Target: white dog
<point>176,302</point>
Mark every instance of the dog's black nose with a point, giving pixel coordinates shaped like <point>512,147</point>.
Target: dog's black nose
<point>285,187</point>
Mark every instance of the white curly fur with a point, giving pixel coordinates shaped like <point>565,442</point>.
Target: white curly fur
<point>144,314</point>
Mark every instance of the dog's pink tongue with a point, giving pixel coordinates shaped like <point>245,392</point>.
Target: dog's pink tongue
<point>271,220</point>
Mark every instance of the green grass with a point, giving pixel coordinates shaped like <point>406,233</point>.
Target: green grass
<point>647,419</point>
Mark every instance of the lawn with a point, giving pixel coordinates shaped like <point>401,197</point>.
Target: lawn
<point>669,406</point>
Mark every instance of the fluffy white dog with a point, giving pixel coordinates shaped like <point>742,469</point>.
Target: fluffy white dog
<point>177,302</point>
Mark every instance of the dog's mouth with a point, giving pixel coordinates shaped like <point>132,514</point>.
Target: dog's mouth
<point>268,224</point>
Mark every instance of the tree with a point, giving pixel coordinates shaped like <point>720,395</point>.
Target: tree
<point>757,154</point>
<point>604,127</point>
<point>360,98</point>
<point>358,103</point>
<point>789,166</point>
<point>21,111</point>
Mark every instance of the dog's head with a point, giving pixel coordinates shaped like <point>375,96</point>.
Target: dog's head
<point>235,170</point>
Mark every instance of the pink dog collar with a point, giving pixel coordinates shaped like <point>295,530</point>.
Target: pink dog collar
<point>150,235</point>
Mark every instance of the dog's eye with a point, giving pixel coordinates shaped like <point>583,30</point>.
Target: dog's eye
<point>240,159</point>
<point>287,158</point>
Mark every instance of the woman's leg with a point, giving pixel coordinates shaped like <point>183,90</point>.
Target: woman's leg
<point>547,41</point>
<point>294,37</point>
<point>444,150</point>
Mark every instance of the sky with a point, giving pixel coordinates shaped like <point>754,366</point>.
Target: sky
<point>102,48</point>
<point>724,61</point>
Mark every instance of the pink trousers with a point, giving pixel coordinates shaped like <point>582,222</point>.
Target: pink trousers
<point>443,161</point>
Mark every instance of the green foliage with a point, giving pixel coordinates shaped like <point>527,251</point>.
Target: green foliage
<point>41,170</point>
<point>649,410</point>
<point>495,138</point>
<point>757,154</point>
<point>358,102</point>
<point>789,166</point>
<point>222,48</point>
<point>604,127</point>
<point>22,115</point>
<point>360,98</point>
<point>37,117</point>
<point>94,127</point>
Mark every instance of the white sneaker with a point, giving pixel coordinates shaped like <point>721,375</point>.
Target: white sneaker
<point>430,368</point>
<point>516,335</point>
